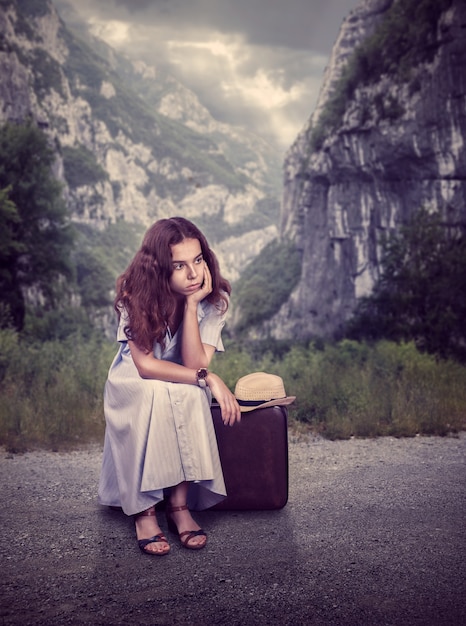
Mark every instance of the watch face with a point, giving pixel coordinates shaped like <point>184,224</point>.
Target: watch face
<point>201,377</point>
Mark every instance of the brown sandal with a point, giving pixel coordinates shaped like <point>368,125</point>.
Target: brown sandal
<point>142,543</point>
<point>187,535</point>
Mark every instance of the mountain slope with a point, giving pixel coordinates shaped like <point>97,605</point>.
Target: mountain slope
<point>387,137</point>
<point>132,145</point>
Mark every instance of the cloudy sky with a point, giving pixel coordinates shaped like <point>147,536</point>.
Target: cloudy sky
<point>254,63</point>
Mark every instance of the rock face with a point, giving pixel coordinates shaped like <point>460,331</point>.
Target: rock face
<point>149,148</point>
<point>372,171</point>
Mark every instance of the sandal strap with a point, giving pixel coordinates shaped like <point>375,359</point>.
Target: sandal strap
<point>173,509</point>
<point>155,539</point>
<point>147,513</point>
<point>191,534</point>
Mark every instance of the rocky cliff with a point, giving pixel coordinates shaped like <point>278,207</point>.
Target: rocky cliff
<point>133,144</point>
<point>383,141</point>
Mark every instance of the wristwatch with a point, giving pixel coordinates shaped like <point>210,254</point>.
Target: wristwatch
<point>201,377</point>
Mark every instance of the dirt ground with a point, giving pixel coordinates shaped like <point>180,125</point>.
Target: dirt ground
<point>373,533</point>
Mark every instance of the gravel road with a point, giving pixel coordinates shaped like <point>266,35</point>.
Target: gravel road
<point>374,533</point>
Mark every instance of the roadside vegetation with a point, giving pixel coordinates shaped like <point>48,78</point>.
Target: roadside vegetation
<point>52,390</point>
<point>351,388</point>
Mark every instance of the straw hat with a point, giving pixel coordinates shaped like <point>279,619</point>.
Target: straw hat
<point>260,390</point>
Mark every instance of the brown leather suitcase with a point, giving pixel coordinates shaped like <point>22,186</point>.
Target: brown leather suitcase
<point>254,457</point>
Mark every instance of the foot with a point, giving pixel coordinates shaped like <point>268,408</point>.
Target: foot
<point>151,540</point>
<point>190,533</point>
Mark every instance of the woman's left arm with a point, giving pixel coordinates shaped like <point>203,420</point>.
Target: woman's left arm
<point>194,353</point>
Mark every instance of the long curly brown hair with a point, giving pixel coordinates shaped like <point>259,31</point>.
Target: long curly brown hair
<point>143,290</point>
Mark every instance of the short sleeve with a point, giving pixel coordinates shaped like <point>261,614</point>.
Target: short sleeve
<point>121,335</point>
<point>211,323</point>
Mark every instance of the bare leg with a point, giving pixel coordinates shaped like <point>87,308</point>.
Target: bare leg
<point>183,519</point>
<point>147,527</point>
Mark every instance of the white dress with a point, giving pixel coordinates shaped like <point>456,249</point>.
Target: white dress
<point>160,434</point>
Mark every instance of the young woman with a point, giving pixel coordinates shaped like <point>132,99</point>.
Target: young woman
<point>159,440</point>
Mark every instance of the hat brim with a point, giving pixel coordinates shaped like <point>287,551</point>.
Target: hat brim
<point>264,405</point>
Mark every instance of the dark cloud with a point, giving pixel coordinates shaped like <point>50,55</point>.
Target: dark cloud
<point>305,24</point>
<point>141,5</point>
<point>256,63</point>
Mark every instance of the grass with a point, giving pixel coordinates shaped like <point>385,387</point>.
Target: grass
<point>51,392</point>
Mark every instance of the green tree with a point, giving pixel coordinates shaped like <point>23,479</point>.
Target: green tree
<point>36,237</point>
<point>266,283</point>
<point>81,167</point>
<point>9,247</point>
<point>95,281</point>
<point>421,293</point>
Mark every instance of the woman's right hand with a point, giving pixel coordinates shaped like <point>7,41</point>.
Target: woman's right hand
<point>229,406</point>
